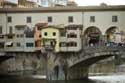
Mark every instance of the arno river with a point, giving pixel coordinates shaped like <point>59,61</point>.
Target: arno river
<point>37,79</point>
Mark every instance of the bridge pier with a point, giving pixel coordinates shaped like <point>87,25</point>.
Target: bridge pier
<point>78,73</point>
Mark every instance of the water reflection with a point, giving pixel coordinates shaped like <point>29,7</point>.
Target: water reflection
<point>110,79</point>
<point>93,79</point>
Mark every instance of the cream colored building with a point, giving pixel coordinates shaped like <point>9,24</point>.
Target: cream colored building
<point>99,23</point>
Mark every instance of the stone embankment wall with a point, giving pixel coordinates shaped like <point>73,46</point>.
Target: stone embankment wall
<point>23,61</point>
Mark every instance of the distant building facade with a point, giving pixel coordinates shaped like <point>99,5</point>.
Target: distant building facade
<point>70,27</point>
<point>20,3</point>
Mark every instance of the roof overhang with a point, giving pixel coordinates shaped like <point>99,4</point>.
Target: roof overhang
<point>63,9</point>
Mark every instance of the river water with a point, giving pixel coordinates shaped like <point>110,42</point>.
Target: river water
<point>37,79</point>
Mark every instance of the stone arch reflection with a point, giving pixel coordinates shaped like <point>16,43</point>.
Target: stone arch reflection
<point>92,36</point>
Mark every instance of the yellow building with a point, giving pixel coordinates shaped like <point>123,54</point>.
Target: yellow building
<point>26,4</point>
<point>7,4</point>
<point>18,3</point>
<point>50,37</point>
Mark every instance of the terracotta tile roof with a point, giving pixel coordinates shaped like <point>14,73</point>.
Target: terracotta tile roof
<point>64,9</point>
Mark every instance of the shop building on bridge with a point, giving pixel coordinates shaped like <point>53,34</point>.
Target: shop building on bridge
<point>76,26</point>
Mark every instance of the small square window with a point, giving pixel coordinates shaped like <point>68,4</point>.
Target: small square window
<point>29,44</point>
<point>54,33</point>
<point>70,19</point>
<point>49,19</point>
<point>114,18</point>
<point>29,20</point>
<point>10,29</point>
<point>21,35</point>
<point>9,19</point>
<point>1,29</point>
<point>92,18</point>
<point>18,44</point>
<point>45,33</point>
<point>17,36</point>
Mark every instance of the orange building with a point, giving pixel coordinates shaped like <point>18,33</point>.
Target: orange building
<point>38,35</point>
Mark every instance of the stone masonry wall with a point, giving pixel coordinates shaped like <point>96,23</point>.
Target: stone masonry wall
<point>23,61</point>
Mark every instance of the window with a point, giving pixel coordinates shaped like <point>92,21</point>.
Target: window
<point>29,20</point>
<point>18,44</point>
<point>71,28</point>
<point>0,29</point>
<point>10,37</point>
<point>17,36</point>
<point>62,44</point>
<point>54,33</point>
<point>49,19</point>
<point>38,43</point>
<point>21,35</point>
<point>114,18</point>
<point>92,18</point>
<point>1,44</point>
<point>10,29</point>
<point>9,19</point>
<point>40,36</point>
<point>29,44</point>
<point>70,19</point>
<point>29,35</point>
<point>45,33</point>
<point>63,34</point>
<point>72,35</point>
<point>38,28</point>
<point>72,44</point>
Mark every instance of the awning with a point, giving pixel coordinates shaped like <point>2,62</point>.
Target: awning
<point>9,43</point>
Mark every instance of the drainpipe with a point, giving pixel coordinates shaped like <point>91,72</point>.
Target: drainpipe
<point>5,28</point>
<point>82,39</point>
<point>6,23</point>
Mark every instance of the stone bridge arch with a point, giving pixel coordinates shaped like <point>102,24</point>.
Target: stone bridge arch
<point>92,35</point>
<point>79,70</point>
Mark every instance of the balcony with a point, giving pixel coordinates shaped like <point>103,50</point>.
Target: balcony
<point>1,36</point>
<point>9,44</point>
<point>10,35</point>
<point>9,3</point>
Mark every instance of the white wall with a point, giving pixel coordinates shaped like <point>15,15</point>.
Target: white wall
<point>103,20</point>
<point>3,22</point>
<point>58,18</point>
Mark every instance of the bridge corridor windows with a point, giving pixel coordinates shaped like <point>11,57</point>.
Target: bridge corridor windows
<point>92,36</point>
<point>72,35</point>
<point>72,44</point>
